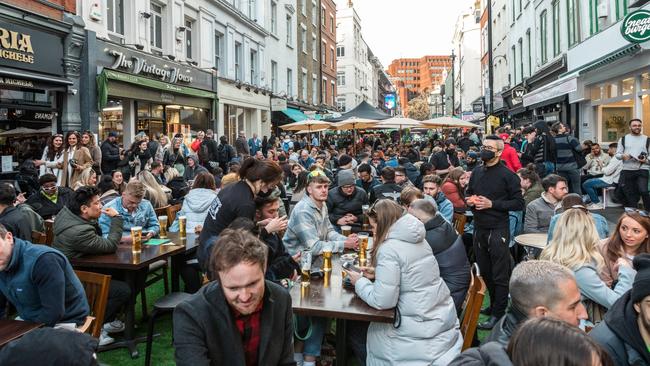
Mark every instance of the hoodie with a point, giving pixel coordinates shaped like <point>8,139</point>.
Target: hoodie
<point>489,354</point>
<point>619,334</point>
<point>195,208</point>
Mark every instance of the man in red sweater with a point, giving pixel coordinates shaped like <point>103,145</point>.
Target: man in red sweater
<point>509,156</point>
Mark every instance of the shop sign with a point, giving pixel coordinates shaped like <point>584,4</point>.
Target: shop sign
<point>20,83</point>
<point>30,49</point>
<point>477,107</point>
<point>635,27</point>
<point>517,94</point>
<point>278,104</point>
<point>139,66</point>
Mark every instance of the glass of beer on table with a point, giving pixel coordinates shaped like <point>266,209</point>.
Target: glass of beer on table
<point>305,267</point>
<point>363,247</point>
<point>162,220</point>
<point>327,259</point>
<point>182,226</point>
<point>366,223</point>
<point>346,230</point>
<point>136,239</point>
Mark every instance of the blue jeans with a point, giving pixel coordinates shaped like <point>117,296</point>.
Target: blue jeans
<point>314,343</point>
<point>592,185</point>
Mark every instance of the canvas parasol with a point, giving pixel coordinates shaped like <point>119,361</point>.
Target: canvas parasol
<point>448,122</point>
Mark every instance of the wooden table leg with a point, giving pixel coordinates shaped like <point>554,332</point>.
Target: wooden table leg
<point>341,342</point>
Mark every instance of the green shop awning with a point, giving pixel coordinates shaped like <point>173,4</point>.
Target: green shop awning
<point>295,114</point>
<point>106,75</point>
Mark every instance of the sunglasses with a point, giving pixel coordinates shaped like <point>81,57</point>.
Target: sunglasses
<point>634,210</point>
<point>316,173</point>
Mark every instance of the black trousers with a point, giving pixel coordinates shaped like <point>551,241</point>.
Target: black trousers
<point>634,184</point>
<point>118,295</point>
<point>494,261</point>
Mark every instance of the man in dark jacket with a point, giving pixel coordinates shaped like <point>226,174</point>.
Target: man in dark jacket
<point>493,192</point>
<point>412,173</point>
<point>539,288</point>
<point>242,145</point>
<point>225,153</point>
<point>76,234</point>
<point>13,218</point>
<point>625,332</point>
<point>50,199</point>
<point>388,188</point>
<point>40,283</point>
<point>208,150</point>
<point>280,265</point>
<point>225,325</point>
<point>344,202</point>
<point>110,153</point>
<point>366,179</point>
<point>448,248</point>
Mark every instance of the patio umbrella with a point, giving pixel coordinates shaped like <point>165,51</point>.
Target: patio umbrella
<point>354,123</point>
<point>19,131</point>
<point>450,122</point>
<point>301,132</point>
<point>308,124</point>
<point>398,123</point>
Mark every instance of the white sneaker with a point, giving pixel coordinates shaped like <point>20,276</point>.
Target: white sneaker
<point>105,339</point>
<point>595,206</point>
<point>115,326</point>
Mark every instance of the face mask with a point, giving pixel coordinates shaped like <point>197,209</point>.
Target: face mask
<point>487,155</point>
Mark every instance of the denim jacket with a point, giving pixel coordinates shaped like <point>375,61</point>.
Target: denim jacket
<point>144,216</point>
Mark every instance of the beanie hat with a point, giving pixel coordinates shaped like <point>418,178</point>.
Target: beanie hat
<point>346,178</point>
<point>345,160</point>
<point>112,134</point>
<point>47,178</point>
<point>641,285</point>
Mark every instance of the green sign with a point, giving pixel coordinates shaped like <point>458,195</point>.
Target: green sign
<point>636,26</point>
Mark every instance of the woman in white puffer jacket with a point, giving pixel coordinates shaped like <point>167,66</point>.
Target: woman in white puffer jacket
<point>406,276</point>
<point>196,202</point>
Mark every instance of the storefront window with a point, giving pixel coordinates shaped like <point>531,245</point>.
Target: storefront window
<point>611,90</point>
<point>595,93</point>
<point>628,86</point>
<point>645,82</point>
<point>233,121</point>
<point>111,120</point>
<point>186,120</point>
<point>615,119</point>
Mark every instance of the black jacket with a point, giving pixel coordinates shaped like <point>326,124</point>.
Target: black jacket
<point>412,173</point>
<point>507,325</point>
<point>465,143</point>
<point>110,156</point>
<point>449,250</point>
<point>619,334</point>
<point>46,208</point>
<point>338,204</point>
<point>385,190</point>
<point>179,189</point>
<point>205,332</point>
<point>17,223</point>
<point>211,146</point>
<point>279,263</point>
<point>489,354</point>
<point>504,190</point>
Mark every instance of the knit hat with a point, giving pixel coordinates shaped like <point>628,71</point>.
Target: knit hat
<point>47,178</point>
<point>112,134</point>
<point>346,178</point>
<point>641,285</point>
<point>345,160</point>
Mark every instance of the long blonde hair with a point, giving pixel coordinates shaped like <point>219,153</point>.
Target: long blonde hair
<point>85,176</point>
<point>385,213</point>
<point>574,242</point>
<point>154,193</point>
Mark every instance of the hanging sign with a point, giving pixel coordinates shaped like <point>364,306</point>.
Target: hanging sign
<point>635,27</point>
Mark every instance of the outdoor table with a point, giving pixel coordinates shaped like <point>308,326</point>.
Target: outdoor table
<point>13,329</point>
<point>329,299</point>
<point>532,243</point>
<point>134,266</point>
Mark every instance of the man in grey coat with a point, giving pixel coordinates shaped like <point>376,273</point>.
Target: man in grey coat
<point>540,211</point>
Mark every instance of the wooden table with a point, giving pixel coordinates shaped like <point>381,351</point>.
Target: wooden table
<point>135,266</point>
<point>329,299</point>
<point>13,329</point>
<point>533,243</point>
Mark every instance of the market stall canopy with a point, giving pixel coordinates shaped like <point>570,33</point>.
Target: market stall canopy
<point>295,114</point>
<point>398,123</point>
<point>354,123</point>
<point>308,124</point>
<point>449,122</point>
<point>363,111</point>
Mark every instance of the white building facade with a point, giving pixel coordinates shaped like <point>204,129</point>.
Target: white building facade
<point>466,45</point>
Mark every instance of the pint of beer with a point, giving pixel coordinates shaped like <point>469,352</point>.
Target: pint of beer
<point>363,245</point>
<point>327,260</point>
<point>305,268</point>
<point>366,222</point>
<point>162,220</point>
<point>136,239</point>
<point>182,226</point>
<point>346,230</point>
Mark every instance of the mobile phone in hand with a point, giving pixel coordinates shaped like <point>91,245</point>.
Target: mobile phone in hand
<point>351,267</point>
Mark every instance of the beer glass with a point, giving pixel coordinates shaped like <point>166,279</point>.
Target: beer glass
<point>363,247</point>
<point>162,220</point>
<point>346,230</point>
<point>305,268</point>
<point>327,260</point>
<point>136,239</point>
<point>366,223</point>
<point>182,226</point>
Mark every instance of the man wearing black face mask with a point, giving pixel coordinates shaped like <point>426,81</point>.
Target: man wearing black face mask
<point>493,191</point>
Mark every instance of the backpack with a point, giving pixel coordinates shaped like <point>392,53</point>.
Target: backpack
<point>222,153</point>
<point>285,146</point>
<point>204,153</point>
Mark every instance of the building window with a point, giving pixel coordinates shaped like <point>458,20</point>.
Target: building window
<point>530,54</point>
<point>332,58</point>
<point>324,55</point>
<point>314,90</point>
<point>333,93</point>
<point>314,49</point>
<point>238,59</point>
<point>514,11</point>
<point>521,59</point>
<point>252,10</point>
<point>303,6</point>
<point>514,65</point>
<point>188,38</point>
<point>543,30</point>
<point>599,15</point>
<point>253,61</point>
<point>303,41</point>
<point>340,78</point>
<point>323,18</point>
<point>324,91</point>
<point>572,21</point>
<point>303,90</point>
<point>218,50</point>
<point>274,17</point>
<point>340,104</point>
<point>556,28</point>
<point>340,51</point>
<point>274,76</point>
<point>289,82</point>
<point>289,31</point>
<point>155,26</point>
<point>314,13</point>
<point>115,16</point>
<point>331,23</point>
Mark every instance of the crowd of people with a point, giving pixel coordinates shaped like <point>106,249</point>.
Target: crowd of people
<point>260,205</point>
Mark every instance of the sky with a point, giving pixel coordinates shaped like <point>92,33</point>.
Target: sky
<point>408,28</point>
